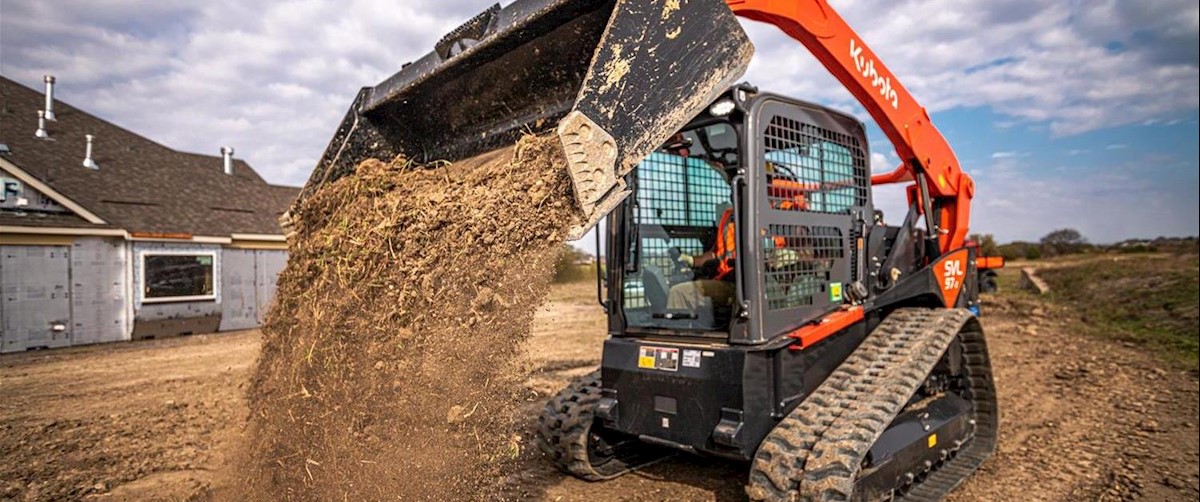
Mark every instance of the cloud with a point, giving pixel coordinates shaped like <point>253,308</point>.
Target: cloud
<point>1004,155</point>
<point>1144,197</point>
<point>1045,62</point>
<point>272,79</point>
<point>879,163</point>
<point>1116,146</point>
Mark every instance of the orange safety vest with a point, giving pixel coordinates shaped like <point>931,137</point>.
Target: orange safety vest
<point>726,247</point>
<point>791,192</point>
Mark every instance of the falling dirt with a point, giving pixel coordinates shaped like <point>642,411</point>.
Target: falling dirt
<point>389,366</point>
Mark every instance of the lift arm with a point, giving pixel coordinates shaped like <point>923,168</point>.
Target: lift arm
<point>923,151</point>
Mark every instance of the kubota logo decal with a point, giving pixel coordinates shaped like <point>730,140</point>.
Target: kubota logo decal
<point>866,67</point>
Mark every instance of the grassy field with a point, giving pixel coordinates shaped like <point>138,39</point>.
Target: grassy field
<point>1151,300</point>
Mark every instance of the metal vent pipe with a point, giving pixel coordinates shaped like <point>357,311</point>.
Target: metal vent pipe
<point>49,79</point>
<point>41,131</point>
<point>87,159</point>
<point>227,157</point>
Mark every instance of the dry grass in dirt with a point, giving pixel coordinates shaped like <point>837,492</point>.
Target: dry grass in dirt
<point>1151,300</point>
<point>1083,417</point>
<point>389,361</point>
<point>141,421</point>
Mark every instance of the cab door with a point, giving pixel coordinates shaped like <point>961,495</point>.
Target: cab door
<point>809,194</point>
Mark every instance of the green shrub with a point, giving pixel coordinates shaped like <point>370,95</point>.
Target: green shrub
<point>573,265</point>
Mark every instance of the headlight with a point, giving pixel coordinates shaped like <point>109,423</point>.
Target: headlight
<point>721,108</point>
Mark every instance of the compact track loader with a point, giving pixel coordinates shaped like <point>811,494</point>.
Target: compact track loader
<point>759,307</point>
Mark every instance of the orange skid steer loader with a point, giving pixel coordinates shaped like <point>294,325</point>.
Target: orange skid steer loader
<point>759,307</point>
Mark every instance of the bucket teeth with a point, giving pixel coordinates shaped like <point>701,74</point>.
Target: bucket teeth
<point>591,158</point>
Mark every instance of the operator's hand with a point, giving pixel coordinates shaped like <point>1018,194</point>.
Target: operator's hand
<point>786,257</point>
<point>687,259</point>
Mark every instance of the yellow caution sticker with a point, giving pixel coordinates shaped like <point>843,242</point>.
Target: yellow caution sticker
<point>645,361</point>
<point>932,440</point>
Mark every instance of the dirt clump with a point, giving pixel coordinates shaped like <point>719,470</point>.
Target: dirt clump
<point>389,365</point>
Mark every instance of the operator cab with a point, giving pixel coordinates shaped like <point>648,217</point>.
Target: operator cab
<point>800,178</point>
<point>682,197</point>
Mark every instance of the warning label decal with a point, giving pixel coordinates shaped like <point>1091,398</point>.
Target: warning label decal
<point>658,358</point>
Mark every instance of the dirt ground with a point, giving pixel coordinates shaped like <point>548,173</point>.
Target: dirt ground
<point>1083,418</point>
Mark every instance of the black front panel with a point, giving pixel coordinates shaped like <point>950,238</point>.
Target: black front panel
<point>670,391</point>
<point>717,399</point>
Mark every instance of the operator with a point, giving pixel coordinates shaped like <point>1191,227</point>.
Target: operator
<point>714,265</point>
<point>718,263</point>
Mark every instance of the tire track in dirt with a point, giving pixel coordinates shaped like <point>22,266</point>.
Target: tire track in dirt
<point>142,421</point>
<point>1083,418</point>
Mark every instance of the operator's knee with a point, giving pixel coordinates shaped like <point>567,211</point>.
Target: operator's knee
<point>683,296</point>
<point>721,292</point>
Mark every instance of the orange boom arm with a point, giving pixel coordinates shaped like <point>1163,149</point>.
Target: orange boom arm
<point>923,151</point>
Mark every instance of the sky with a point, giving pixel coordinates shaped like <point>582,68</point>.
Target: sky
<point>1068,113</point>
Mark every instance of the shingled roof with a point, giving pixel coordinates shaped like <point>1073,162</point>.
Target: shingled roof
<point>141,186</point>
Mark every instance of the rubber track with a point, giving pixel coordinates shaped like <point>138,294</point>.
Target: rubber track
<point>563,427</point>
<point>563,434</point>
<point>815,452</point>
<point>780,459</point>
<point>946,478</point>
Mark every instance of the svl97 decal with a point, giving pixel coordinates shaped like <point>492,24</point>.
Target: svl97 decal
<point>952,273</point>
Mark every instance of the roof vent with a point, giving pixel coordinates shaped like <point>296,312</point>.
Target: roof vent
<point>41,132</point>
<point>49,79</point>
<point>87,159</point>
<point>227,156</point>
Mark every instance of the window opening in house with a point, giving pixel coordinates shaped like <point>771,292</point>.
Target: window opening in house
<point>178,277</point>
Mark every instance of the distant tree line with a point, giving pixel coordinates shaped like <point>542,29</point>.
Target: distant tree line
<point>1065,241</point>
<point>1057,243</point>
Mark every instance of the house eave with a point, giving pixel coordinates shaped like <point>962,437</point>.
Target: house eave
<point>53,194</point>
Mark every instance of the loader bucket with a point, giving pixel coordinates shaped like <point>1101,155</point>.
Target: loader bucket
<point>613,78</point>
